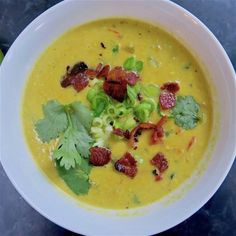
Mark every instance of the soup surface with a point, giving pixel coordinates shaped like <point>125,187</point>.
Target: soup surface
<point>162,65</point>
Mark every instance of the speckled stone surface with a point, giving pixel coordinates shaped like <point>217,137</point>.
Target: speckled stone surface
<point>216,218</point>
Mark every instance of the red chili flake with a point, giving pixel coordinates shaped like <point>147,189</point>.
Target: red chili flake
<point>127,165</point>
<point>121,133</point>
<point>99,156</point>
<point>172,87</point>
<point>191,142</point>
<point>167,100</point>
<point>160,162</point>
<point>118,34</point>
<point>103,72</point>
<point>131,78</point>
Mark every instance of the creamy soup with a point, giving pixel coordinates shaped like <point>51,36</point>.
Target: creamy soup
<point>170,91</point>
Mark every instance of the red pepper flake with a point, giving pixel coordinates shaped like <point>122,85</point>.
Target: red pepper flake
<point>167,100</point>
<point>172,87</point>
<point>158,132</point>
<point>121,133</point>
<point>160,162</point>
<point>118,34</point>
<point>99,156</point>
<point>191,142</point>
<point>127,165</point>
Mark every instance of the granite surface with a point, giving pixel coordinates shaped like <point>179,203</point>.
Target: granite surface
<point>216,218</point>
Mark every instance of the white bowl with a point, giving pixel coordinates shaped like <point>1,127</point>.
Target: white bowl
<point>49,200</point>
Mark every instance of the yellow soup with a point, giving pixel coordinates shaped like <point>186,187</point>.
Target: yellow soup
<point>164,60</point>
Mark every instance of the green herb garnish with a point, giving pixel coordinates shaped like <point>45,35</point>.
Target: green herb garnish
<point>136,199</point>
<point>72,123</point>
<point>76,178</point>
<point>132,64</point>
<point>116,49</point>
<point>186,112</point>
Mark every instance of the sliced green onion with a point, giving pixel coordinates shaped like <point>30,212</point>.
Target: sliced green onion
<point>97,122</point>
<point>151,90</point>
<point>143,111</point>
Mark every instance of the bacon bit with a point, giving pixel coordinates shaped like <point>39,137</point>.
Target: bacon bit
<point>158,132</point>
<point>70,76</point>
<point>80,81</point>
<point>160,162</point>
<point>172,87</point>
<point>99,68</point>
<point>131,78</point>
<point>90,73</point>
<point>127,165</point>
<point>158,178</point>
<point>116,74</point>
<point>116,89</point>
<point>134,132</point>
<point>121,133</point>
<point>99,156</point>
<point>118,34</point>
<point>103,72</point>
<point>167,100</point>
<point>78,68</point>
<point>191,142</point>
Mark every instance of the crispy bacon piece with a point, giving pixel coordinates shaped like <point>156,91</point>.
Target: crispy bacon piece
<point>103,72</point>
<point>158,132</point>
<point>121,133</point>
<point>160,162</point>
<point>136,130</point>
<point>167,100</point>
<point>131,78</point>
<point>116,74</point>
<point>80,81</point>
<point>127,165</point>
<point>99,156</point>
<point>76,77</point>
<point>115,89</point>
<point>172,87</point>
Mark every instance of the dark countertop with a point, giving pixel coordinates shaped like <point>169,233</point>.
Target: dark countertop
<point>217,217</point>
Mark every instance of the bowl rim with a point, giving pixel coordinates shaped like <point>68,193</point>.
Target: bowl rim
<point>230,67</point>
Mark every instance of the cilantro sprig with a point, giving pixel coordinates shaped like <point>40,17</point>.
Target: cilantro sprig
<point>186,113</point>
<point>71,123</point>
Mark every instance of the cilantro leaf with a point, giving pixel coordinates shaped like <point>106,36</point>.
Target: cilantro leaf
<point>186,112</point>
<point>54,122</point>
<point>77,179</point>
<point>83,116</point>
